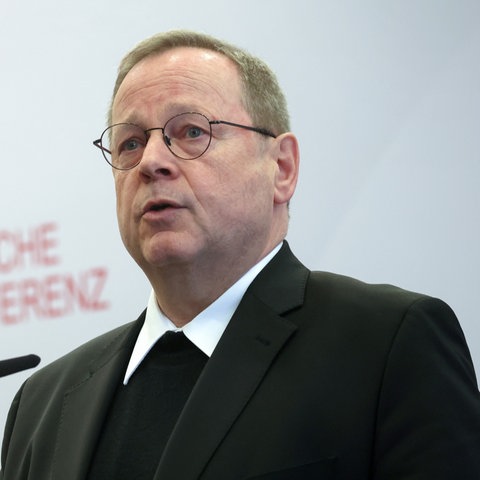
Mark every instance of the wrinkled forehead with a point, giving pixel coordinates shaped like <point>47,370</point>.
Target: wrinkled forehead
<point>181,74</point>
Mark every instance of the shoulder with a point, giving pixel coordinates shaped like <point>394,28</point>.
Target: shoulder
<point>375,311</point>
<point>324,298</point>
<point>88,357</point>
<point>351,291</point>
<point>404,333</point>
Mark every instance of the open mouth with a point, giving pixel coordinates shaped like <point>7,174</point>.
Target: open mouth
<point>159,207</point>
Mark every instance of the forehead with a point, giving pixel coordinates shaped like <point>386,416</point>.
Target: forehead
<point>182,77</point>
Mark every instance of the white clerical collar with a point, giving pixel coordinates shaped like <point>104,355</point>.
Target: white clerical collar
<point>204,330</point>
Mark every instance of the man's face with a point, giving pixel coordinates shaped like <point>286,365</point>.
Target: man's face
<point>213,209</point>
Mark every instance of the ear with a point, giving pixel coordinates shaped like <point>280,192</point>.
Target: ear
<point>288,159</point>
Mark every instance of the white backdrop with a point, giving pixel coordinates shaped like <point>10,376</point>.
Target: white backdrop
<point>384,97</point>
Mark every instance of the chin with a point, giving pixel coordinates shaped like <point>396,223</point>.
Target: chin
<point>163,254</point>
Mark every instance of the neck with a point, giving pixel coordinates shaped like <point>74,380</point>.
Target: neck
<point>184,291</point>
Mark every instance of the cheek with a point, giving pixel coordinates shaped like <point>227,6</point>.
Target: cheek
<point>245,193</point>
<point>118,194</point>
<point>123,204</point>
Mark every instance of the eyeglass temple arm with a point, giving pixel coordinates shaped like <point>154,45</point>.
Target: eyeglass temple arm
<point>98,143</point>
<point>263,131</point>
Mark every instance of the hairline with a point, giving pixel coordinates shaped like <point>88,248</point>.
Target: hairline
<point>261,95</point>
<point>121,77</point>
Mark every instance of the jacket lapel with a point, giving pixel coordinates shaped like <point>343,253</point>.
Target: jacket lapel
<point>250,344</point>
<point>78,433</point>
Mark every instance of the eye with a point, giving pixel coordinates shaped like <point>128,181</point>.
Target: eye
<point>130,145</point>
<point>187,127</point>
<point>193,132</point>
<point>188,131</point>
<point>129,141</point>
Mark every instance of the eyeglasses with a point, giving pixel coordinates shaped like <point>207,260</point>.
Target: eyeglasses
<point>187,135</point>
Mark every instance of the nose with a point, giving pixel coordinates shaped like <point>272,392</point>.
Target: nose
<point>157,160</point>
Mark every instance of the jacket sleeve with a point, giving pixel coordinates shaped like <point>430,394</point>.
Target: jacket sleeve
<point>428,422</point>
<point>12,415</point>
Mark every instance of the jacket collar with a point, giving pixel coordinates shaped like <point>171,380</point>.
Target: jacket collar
<point>249,346</point>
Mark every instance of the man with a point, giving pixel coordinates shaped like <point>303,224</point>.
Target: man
<point>274,372</point>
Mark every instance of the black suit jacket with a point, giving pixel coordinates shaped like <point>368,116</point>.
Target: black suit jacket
<point>317,376</point>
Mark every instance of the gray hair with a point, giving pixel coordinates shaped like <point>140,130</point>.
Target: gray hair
<point>262,99</point>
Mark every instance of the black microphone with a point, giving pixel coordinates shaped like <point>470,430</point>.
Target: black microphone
<point>14,365</point>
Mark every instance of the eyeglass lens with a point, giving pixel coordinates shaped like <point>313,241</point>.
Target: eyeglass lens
<point>187,136</point>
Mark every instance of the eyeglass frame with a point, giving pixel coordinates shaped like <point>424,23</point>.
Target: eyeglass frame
<point>98,142</point>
